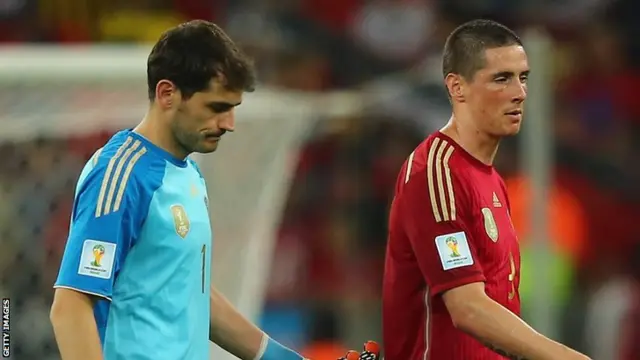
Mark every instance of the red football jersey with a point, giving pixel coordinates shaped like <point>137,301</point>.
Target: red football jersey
<point>449,225</point>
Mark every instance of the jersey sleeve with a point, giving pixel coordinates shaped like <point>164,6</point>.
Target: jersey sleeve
<point>108,213</point>
<point>435,208</point>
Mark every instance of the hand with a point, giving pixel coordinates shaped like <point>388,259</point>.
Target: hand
<point>371,352</point>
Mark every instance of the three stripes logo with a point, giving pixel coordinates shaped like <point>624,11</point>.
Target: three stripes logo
<point>441,190</point>
<point>117,176</point>
<point>496,201</point>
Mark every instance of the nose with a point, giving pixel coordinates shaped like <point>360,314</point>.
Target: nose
<point>227,121</point>
<point>520,93</point>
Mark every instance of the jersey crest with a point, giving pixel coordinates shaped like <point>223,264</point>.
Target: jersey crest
<point>180,220</point>
<point>490,224</point>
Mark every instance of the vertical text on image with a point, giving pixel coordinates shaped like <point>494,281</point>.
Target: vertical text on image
<point>6,328</point>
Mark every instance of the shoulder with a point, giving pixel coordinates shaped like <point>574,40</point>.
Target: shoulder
<point>437,164</point>
<point>435,175</point>
<point>123,167</point>
<point>444,155</point>
<point>122,153</point>
<point>195,166</point>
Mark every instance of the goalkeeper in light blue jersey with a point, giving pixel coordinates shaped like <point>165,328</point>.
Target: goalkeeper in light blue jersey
<point>134,282</point>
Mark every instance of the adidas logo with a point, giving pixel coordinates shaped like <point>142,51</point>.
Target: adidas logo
<point>496,201</point>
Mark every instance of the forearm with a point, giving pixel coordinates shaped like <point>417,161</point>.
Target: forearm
<point>76,334</point>
<point>237,335</point>
<point>232,331</point>
<point>508,335</point>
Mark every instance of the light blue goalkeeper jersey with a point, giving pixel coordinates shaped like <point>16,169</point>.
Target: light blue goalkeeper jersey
<point>140,240</point>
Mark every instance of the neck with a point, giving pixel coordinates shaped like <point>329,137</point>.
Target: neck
<point>153,128</point>
<point>479,144</point>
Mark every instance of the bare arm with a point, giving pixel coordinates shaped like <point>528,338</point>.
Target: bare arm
<point>231,330</point>
<point>237,335</point>
<point>74,326</point>
<point>473,312</point>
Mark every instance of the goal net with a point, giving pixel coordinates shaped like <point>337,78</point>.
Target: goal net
<point>58,105</point>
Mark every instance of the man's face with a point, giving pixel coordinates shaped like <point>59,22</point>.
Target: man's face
<point>202,119</point>
<point>497,92</point>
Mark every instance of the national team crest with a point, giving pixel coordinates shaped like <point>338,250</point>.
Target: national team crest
<point>180,220</point>
<point>490,224</point>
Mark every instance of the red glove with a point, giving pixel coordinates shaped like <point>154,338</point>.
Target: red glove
<point>371,352</point>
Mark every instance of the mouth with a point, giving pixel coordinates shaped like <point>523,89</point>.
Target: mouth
<point>212,138</point>
<point>515,115</point>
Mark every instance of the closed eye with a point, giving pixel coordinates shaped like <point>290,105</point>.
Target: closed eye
<point>503,77</point>
<point>220,107</point>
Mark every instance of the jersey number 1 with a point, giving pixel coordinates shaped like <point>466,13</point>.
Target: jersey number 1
<point>204,254</point>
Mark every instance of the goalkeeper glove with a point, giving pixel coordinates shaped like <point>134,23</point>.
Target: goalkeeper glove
<point>371,351</point>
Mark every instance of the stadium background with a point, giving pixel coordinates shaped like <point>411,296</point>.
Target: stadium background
<point>322,286</point>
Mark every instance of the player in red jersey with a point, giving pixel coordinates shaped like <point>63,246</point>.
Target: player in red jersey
<point>452,265</point>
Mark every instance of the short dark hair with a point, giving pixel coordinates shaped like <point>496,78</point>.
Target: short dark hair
<point>192,53</point>
<point>465,47</point>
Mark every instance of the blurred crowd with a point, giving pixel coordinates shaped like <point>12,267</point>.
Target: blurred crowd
<point>326,295</point>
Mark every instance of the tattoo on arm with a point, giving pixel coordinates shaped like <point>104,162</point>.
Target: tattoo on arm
<point>503,352</point>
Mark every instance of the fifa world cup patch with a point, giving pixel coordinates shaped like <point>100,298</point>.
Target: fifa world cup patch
<point>454,250</point>
<point>97,259</point>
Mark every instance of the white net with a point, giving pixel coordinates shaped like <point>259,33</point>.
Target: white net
<point>248,179</point>
<point>57,105</point>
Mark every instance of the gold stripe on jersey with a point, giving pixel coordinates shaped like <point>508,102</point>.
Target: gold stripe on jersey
<point>430,170</point>
<point>116,176</point>
<point>125,178</point>
<point>96,156</point>
<point>439,175</point>
<point>427,324</point>
<point>409,165</point>
<point>447,175</point>
<point>438,166</point>
<point>107,175</point>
